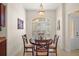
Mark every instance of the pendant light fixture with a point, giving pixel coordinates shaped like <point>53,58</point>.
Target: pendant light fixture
<point>41,13</point>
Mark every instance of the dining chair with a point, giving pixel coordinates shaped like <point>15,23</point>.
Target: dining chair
<point>42,47</point>
<point>26,45</point>
<point>54,45</point>
<point>53,41</point>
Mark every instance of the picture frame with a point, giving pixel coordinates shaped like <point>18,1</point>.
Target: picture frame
<point>20,23</point>
<point>2,15</point>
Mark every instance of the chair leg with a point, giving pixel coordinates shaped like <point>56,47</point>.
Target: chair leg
<point>56,52</point>
<point>24,52</point>
<point>48,51</point>
<point>36,53</point>
<point>32,51</point>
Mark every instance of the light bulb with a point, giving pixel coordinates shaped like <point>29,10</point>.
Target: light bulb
<point>41,13</point>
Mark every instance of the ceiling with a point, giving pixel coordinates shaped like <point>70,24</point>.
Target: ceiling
<point>36,6</point>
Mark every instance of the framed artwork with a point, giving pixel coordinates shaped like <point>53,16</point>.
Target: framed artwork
<point>58,25</point>
<point>20,23</point>
<point>2,14</point>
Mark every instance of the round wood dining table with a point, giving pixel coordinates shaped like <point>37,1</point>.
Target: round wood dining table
<point>41,45</point>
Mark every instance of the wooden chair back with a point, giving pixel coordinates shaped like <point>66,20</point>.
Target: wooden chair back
<point>54,45</point>
<point>42,46</point>
<point>56,41</point>
<point>25,41</point>
<point>55,38</point>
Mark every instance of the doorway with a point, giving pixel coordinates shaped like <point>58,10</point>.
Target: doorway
<point>74,30</point>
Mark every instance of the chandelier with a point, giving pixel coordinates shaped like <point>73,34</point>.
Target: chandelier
<point>41,13</point>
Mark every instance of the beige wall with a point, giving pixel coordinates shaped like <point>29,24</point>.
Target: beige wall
<point>14,35</point>
<point>29,15</point>
<point>51,15</point>
<point>60,17</point>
